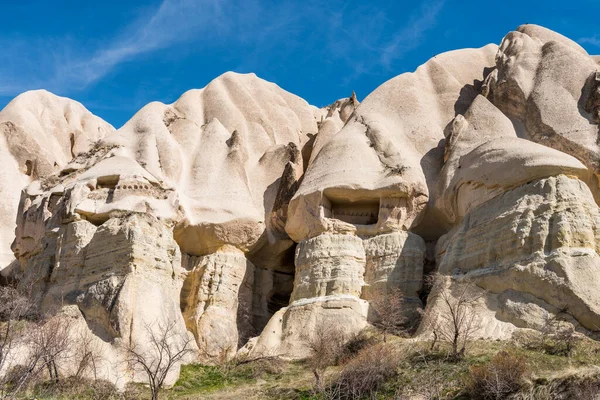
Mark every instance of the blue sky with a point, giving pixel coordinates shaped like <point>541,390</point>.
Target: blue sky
<point>116,56</point>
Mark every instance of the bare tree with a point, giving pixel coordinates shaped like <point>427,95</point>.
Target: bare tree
<point>325,344</point>
<point>456,320</point>
<point>390,313</point>
<point>88,355</point>
<point>50,343</point>
<point>557,336</point>
<point>36,346</point>
<point>43,343</point>
<point>14,307</point>
<point>164,349</point>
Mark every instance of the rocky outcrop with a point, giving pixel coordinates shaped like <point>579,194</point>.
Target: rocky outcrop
<point>367,186</point>
<point>394,260</point>
<point>216,297</point>
<point>178,216</point>
<point>250,218</point>
<point>533,248</point>
<point>546,82</point>
<point>39,134</point>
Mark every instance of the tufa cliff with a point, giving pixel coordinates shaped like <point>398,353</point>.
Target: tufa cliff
<point>246,216</point>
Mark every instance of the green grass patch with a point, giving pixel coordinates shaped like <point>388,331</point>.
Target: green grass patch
<point>197,378</point>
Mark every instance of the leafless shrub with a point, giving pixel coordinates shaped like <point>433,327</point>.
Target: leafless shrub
<point>325,344</point>
<point>503,375</point>
<point>16,313</point>
<point>429,384</point>
<point>555,337</point>
<point>454,320</point>
<point>364,375</point>
<point>164,349</point>
<point>586,390</point>
<point>44,345</point>
<point>14,307</point>
<point>49,343</point>
<point>558,337</point>
<point>87,355</point>
<point>35,347</point>
<point>78,388</point>
<point>356,343</point>
<point>390,311</point>
<point>581,384</point>
<point>267,366</point>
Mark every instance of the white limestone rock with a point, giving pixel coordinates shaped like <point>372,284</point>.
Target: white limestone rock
<point>217,286</point>
<point>39,134</point>
<point>533,248</point>
<point>241,210</point>
<point>206,179</point>
<point>548,84</point>
<point>395,261</point>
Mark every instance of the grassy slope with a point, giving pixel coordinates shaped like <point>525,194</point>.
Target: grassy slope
<point>420,372</point>
<point>418,369</point>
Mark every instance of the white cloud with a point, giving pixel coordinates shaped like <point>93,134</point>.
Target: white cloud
<point>357,40</point>
<point>353,40</point>
<point>173,22</point>
<point>593,40</point>
<point>410,37</point>
<point>62,65</point>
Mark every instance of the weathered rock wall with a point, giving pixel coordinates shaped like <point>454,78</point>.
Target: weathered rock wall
<point>39,134</point>
<point>241,211</point>
<point>533,247</point>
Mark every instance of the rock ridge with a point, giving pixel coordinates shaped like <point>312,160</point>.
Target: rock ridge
<point>247,217</point>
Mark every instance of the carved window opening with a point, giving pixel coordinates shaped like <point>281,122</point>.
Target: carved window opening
<point>361,212</point>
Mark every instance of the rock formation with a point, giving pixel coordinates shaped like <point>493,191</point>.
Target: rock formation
<point>248,216</point>
<point>40,134</point>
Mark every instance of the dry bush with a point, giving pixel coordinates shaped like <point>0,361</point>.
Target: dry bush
<point>252,369</point>
<point>556,337</point>
<point>503,375</point>
<point>364,375</point>
<point>390,310</point>
<point>164,349</point>
<point>87,355</point>
<point>264,366</point>
<point>586,390</point>
<point>428,384</point>
<point>326,345</point>
<point>14,307</point>
<point>30,344</point>
<point>78,388</point>
<point>582,384</point>
<point>50,344</point>
<point>355,344</point>
<point>35,347</point>
<point>455,320</point>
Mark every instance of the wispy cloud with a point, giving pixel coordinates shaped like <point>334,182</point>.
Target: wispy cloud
<point>593,40</point>
<point>173,22</point>
<point>63,65</point>
<point>409,37</point>
<point>355,39</point>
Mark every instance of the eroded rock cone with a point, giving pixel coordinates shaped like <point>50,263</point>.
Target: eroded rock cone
<point>240,211</point>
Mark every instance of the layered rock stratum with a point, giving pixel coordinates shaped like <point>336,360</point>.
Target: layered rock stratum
<point>247,216</point>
